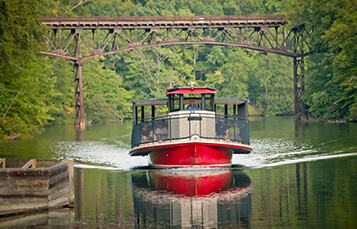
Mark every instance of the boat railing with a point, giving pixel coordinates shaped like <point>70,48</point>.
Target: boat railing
<point>191,127</point>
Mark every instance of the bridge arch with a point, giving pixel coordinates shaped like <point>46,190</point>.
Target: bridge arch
<point>81,38</point>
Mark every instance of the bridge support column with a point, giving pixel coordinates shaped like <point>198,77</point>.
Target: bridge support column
<point>299,88</point>
<point>78,92</point>
<point>78,79</point>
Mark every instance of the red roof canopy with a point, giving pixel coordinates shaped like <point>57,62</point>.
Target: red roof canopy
<point>188,90</point>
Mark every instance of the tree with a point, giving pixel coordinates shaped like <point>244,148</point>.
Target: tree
<point>342,40</point>
<point>272,78</point>
<point>105,100</point>
<point>109,8</point>
<point>333,39</point>
<point>235,71</point>
<point>26,88</point>
<point>60,8</point>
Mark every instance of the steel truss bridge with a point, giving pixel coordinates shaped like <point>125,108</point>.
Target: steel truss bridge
<point>81,38</point>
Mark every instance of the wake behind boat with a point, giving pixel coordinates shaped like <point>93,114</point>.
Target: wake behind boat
<point>196,130</point>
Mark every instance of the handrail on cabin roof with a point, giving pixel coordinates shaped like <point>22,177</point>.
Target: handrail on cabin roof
<point>156,102</point>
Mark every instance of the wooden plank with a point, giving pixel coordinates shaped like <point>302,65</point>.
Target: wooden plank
<point>8,195</point>
<point>22,189</point>
<point>15,163</point>
<point>58,167</point>
<point>18,201</point>
<point>59,187</point>
<point>58,174</point>
<point>18,163</point>
<point>19,173</point>
<point>58,197</point>
<point>47,163</point>
<point>31,163</point>
<point>6,209</point>
<point>70,181</point>
<point>55,191</point>
<point>16,181</point>
<point>16,185</point>
<point>3,162</point>
<point>58,180</point>
<point>19,182</point>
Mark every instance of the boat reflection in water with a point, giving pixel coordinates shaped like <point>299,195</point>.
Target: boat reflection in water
<point>180,198</point>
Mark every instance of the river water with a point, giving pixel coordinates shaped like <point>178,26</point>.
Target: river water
<point>298,176</point>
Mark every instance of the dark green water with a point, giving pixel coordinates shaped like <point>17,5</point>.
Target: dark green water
<point>298,176</point>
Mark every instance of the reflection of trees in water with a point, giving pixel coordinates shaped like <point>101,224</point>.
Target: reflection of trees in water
<point>103,199</point>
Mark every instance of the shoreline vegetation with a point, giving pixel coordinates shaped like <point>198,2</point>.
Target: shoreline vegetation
<point>37,91</point>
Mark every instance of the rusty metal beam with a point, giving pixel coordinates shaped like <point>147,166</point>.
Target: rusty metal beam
<point>299,88</point>
<point>162,22</point>
<point>78,91</point>
<point>78,80</point>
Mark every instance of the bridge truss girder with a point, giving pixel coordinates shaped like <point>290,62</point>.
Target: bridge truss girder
<point>79,39</point>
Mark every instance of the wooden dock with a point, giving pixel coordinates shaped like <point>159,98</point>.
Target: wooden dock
<point>30,185</point>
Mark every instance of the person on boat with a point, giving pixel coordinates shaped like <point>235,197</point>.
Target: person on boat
<point>160,131</point>
<point>192,106</point>
<point>233,132</point>
<point>222,131</point>
<point>146,133</point>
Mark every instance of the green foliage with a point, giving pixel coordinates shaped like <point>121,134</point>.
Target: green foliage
<point>26,103</point>
<point>103,93</point>
<point>20,31</point>
<point>25,85</point>
<point>332,72</point>
<point>63,93</point>
<point>109,8</point>
<point>178,8</point>
<point>236,69</point>
<point>271,84</point>
<point>322,91</point>
<point>342,40</point>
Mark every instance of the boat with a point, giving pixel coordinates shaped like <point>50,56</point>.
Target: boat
<point>190,128</point>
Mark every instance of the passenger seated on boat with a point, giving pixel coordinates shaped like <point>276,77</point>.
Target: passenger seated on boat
<point>146,132</point>
<point>237,137</point>
<point>160,131</point>
<point>233,132</point>
<point>192,106</point>
<point>222,131</point>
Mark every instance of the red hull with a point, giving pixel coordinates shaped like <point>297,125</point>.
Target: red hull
<point>192,154</point>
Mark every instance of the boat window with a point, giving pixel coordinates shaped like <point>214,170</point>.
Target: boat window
<point>174,103</point>
<point>196,99</point>
<point>219,109</point>
<point>209,98</point>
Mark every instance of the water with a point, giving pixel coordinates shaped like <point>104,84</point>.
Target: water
<point>298,176</point>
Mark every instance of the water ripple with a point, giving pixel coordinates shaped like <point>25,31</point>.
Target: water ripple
<point>112,153</point>
<point>270,152</point>
<point>98,153</point>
